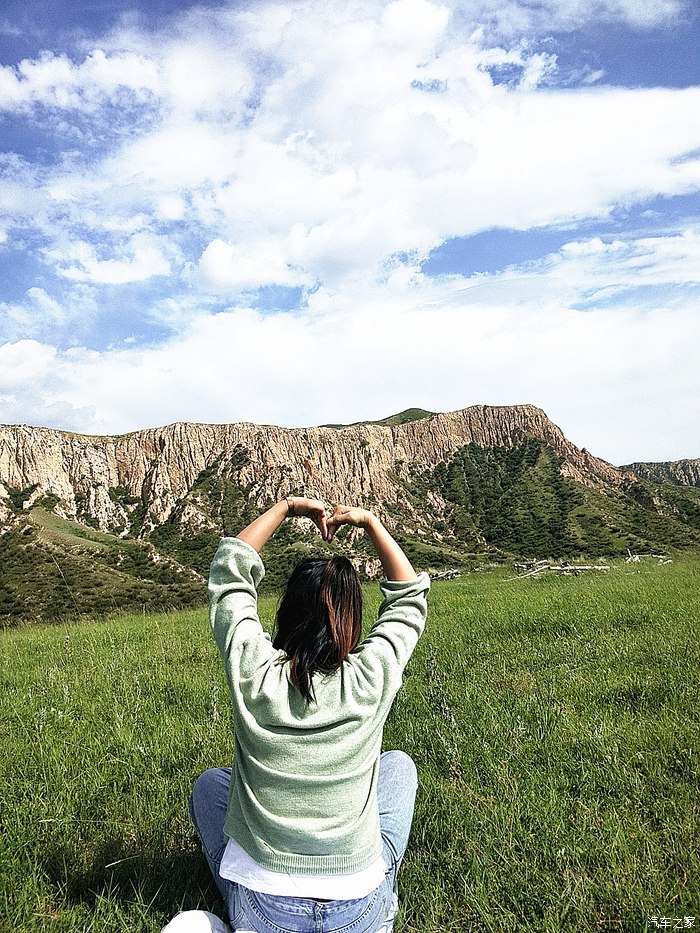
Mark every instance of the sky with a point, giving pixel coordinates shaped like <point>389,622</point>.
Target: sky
<point>298,213</point>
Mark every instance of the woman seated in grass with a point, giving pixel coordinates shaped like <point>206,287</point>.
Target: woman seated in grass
<point>307,830</point>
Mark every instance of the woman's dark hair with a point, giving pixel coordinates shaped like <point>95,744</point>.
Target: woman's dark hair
<point>319,619</point>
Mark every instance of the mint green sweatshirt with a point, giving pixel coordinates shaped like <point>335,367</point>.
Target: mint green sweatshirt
<point>303,791</point>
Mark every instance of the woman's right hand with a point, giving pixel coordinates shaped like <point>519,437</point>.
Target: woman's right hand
<point>348,515</point>
<point>301,507</point>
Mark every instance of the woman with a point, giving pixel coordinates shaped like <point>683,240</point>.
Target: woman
<point>306,832</point>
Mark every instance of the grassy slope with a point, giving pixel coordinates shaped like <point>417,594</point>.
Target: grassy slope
<point>56,530</point>
<point>554,723</point>
<point>54,568</point>
<point>402,417</point>
<point>501,503</point>
<point>517,501</point>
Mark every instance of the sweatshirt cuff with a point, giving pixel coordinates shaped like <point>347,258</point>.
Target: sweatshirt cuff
<point>238,544</point>
<point>236,559</point>
<point>419,584</point>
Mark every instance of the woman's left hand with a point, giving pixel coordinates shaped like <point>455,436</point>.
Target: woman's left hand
<point>301,507</point>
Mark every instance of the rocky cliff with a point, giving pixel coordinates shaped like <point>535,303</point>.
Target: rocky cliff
<point>676,472</point>
<point>90,525</point>
<point>93,477</point>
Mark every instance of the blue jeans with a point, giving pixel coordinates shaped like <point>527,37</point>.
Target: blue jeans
<point>268,913</point>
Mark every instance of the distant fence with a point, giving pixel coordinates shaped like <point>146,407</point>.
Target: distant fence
<point>444,574</point>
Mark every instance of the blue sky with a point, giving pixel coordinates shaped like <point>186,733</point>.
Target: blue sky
<point>314,212</point>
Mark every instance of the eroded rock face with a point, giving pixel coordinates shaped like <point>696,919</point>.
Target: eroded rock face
<point>361,464</point>
<point>677,472</point>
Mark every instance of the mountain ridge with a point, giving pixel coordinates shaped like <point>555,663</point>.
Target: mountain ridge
<point>684,472</point>
<point>160,464</point>
<point>401,417</point>
<point>457,488</point>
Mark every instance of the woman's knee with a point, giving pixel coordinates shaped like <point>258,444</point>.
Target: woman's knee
<point>401,766</point>
<point>210,789</point>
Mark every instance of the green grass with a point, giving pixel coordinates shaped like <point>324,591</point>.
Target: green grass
<point>554,723</point>
<point>58,530</point>
<point>403,417</point>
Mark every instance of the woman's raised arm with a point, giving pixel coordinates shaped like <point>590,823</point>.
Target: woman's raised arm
<point>395,564</point>
<point>259,532</point>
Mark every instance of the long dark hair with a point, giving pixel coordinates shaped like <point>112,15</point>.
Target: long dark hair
<point>319,619</point>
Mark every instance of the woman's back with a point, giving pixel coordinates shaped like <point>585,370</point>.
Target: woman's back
<point>305,774</point>
<point>306,831</point>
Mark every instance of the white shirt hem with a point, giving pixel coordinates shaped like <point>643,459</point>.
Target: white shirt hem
<point>238,866</point>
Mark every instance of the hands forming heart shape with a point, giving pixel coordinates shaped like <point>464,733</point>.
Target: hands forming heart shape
<point>315,509</point>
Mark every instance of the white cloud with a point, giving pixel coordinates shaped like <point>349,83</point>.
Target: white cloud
<point>39,313</point>
<point>170,207</point>
<point>178,155</point>
<point>600,269</point>
<point>611,379</point>
<point>24,363</point>
<point>55,81</point>
<point>509,18</point>
<point>225,267</point>
<point>415,24</point>
<point>143,259</point>
<point>333,146</point>
<point>329,140</point>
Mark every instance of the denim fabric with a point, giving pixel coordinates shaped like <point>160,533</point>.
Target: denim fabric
<point>267,913</point>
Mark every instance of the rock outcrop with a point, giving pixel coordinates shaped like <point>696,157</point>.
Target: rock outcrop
<point>165,496</point>
<point>364,463</point>
<point>676,472</point>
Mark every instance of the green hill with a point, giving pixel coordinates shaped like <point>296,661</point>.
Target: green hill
<point>522,492</point>
<point>53,568</point>
<point>403,417</point>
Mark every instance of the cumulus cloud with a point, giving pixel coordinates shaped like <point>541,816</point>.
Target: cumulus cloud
<point>143,259</point>
<point>442,344</point>
<point>24,363</point>
<point>329,140</point>
<point>226,267</point>
<point>332,147</point>
<point>514,18</point>
<point>55,81</point>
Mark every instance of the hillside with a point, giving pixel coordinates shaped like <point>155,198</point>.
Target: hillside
<point>677,472</point>
<point>403,417</point>
<point>110,522</point>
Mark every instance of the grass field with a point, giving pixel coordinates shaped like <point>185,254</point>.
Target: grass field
<point>554,723</point>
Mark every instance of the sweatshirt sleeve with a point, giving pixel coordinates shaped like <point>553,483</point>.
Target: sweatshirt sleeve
<point>234,577</point>
<point>400,623</point>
